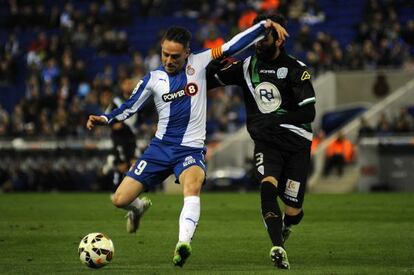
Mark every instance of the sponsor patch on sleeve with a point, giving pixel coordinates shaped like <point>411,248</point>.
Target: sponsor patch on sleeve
<point>305,75</point>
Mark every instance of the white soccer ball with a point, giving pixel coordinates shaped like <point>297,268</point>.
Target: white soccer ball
<point>96,250</point>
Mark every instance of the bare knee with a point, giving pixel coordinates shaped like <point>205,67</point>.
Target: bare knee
<point>192,179</point>
<point>118,200</point>
<point>270,179</point>
<point>291,211</point>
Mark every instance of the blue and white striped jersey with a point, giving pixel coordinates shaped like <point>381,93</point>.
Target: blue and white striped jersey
<point>181,99</point>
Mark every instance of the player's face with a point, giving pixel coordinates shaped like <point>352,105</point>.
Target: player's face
<point>266,49</point>
<point>173,56</point>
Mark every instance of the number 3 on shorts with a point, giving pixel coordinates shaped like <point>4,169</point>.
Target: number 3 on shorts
<point>140,167</point>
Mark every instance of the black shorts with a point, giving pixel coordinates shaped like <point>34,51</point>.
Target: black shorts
<point>290,168</point>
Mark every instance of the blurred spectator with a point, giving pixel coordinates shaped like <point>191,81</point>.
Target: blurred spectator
<point>408,33</point>
<point>17,121</point>
<point>402,122</point>
<point>65,19</point>
<point>304,38</point>
<point>383,126</point>
<point>316,140</point>
<point>269,6</point>
<point>8,69</point>
<point>123,13</point>
<point>50,72</point>
<point>4,122</point>
<point>54,18</point>
<point>12,45</point>
<point>80,37</point>
<point>246,19</point>
<point>152,60</point>
<point>138,67</point>
<point>365,130</point>
<point>213,39</point>
<point>381,88</point>
<point>339,153</point>
<point>312,13</point>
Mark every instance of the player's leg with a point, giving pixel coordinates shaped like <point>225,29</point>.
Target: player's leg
<point>293,192</point>
<point>191,175</point>
<point>272,218</point>
<point>126,196</point>
<point>292,216</point>
<point>192,180</point>
<point>268,166</point>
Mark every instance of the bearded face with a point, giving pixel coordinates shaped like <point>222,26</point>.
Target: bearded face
<point>266,48</point>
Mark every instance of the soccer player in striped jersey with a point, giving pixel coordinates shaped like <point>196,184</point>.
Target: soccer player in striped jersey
<point>178,88</point>
<point>279,100</point>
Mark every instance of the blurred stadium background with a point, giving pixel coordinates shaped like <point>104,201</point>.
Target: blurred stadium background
<point>63,60</point>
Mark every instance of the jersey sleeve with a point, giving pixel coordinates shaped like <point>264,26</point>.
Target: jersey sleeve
<point>237,44</point>
<point>140,94</point>
<point>302,86</point>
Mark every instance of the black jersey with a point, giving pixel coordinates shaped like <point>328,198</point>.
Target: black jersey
<point>123,136</point>
<point>279,86</point>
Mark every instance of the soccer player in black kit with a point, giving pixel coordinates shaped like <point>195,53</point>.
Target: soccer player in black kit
<point>279,100</point>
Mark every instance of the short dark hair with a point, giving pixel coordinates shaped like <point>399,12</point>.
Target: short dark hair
<point>277,18</point>
<point>179,35</point>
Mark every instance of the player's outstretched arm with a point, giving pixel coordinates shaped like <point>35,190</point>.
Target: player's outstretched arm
<point>95,120</point>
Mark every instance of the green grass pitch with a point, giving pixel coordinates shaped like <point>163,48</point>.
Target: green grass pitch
<point>340,234</point>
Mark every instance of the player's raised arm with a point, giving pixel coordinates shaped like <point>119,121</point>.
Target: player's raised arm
<point>248,37</point>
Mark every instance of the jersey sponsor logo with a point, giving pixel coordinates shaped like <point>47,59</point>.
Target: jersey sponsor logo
<point>267,97</point>
<point>292,188</point>
<point>305,75</point>
<point>190,70</point>
<point>191,89</point>
<point>290,198</point>
<point>282,72</point>
<point>173,96</point>
<point>263,71</point>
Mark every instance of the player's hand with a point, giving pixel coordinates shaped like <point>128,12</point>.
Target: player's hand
<point>281,32</point>
<point>95,120</point>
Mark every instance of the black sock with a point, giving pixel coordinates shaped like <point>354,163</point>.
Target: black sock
<point>271,213</point>
<point>293,220</point>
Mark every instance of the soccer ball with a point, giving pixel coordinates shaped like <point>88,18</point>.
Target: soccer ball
<point>96,250</point>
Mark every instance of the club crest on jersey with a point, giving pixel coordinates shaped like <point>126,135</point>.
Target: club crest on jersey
<point>190,70</point>
<point>282,72</point>
<point>267,97</point>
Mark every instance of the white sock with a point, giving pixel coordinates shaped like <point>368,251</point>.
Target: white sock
<point>189,218</point>
<point>136,204</point>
